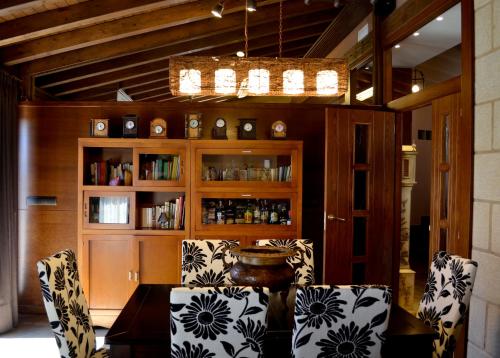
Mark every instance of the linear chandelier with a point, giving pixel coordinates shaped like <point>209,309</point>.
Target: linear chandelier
<point>257,76</point>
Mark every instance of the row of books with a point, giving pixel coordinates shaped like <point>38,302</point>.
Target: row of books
<point>170,215</point>
<point>282,174</point>
<point>161,169</point>
<point>108,173</point>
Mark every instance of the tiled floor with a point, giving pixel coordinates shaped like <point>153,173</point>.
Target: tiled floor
<point>33,338</point>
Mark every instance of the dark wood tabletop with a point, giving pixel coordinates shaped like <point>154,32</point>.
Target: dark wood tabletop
<point>143,327</point>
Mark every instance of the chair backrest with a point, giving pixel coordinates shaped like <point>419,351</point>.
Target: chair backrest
<point>218,321</point>
<point>302,262</point>
<point>207,262</point>
<point>340,321</point>
<point>65,305</point>
<point>446,298</point>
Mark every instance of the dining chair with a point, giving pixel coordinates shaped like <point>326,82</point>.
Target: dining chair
<point>207,262</point>
<point>340,321</point>
<point>66,306</point>
<point>446,299</point>
<point>218,321</point>
<point>303,260</point>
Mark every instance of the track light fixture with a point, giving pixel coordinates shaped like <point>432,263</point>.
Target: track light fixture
<point>218,9</point>
<point>251,5</point>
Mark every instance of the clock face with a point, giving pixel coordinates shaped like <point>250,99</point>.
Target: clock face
<point>220,122</point>
<point>100,126</point>
<point>279,127</point>
<point>247,127</point>
<point>193,123</point>
<point>130,125</point>
<point>158,129</point>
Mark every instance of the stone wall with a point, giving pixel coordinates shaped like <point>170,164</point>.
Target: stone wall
<point>484,329</point>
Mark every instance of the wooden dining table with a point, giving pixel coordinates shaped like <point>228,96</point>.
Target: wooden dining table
<point>143,327</point>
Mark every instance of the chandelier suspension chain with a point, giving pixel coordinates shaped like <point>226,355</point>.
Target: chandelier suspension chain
<point>246,33</point>
<point>281,29</point>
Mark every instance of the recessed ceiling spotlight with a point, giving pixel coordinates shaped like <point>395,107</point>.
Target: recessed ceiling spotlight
<point>397,46</point>
<point>240,54</point>
<point>416,34</point>
<point>439,18</point>
<point>218,9</point>
<point>251,5</point>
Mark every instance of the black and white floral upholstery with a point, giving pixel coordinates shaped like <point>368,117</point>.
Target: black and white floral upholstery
<point>446,299</point>
<point>340,321</point>
<point>207,262</point>
<point>66,306</point>
<point>218,321</point>
<point>302,262</point>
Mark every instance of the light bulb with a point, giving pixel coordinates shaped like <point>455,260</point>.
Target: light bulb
<point>415,88</point>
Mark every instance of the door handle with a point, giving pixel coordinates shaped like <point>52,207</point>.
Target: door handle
<point>136,276</point>
<point>333,217</point>
<point>130,275</point>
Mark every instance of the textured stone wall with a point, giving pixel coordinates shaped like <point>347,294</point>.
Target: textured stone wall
<point>484,329</point>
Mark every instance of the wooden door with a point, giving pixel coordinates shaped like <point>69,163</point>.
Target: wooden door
<point>359,196</point>
<point>451,178</point>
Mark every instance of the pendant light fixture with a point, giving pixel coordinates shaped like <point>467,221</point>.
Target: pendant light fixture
<point>218,9</point>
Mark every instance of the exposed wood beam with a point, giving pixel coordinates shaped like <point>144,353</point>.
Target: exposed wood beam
<point>164,95</point>
<point>409,17</point>
<point>166,37</point>
<point>139,90</point>
<point>151,94</point>
<point>72,17</point>
<point>349,17</point>
<point>359,53</point>
<point>7,4</point>
<point>115,30</point>
<point>263,29</point>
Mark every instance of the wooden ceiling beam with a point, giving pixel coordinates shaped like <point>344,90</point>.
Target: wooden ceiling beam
<point>7,4</point>
<point>157,54</point>
<point>72,17</point>
<point>139,90</point>
<point>150,94</point>
<point>156,97</point>
<point>115,30</point>
<point>171,36</point>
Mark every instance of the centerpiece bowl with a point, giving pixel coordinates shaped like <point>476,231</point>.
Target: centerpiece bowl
<point>263,266</point>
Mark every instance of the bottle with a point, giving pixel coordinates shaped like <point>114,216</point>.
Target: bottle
<point>264,212</point>
<point>230,213</point>
<point>204,215</point>
<point>256,213</point>
<point>220,214</point>
<point>283,214</point>
<point>273,216</point>
<point>211,213</point>
<point>240,214</point>
<point>249,213</point>
<point>289,221</point>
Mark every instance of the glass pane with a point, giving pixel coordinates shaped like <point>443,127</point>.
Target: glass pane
<point>360,190</point>
<point>444,195</point>
<point>159,167</point>
<point>361,144</point>
<point>443,235</point>
<point>246,168</point>
<point>160,210</point>
<point>359,236</point>
<point>107,166</point>
<point>245,211</point>
<point>358,273</point>
<point>446,139</point>
<point>109,210</point>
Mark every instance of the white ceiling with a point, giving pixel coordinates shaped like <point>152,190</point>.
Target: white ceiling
<point>435,38</point>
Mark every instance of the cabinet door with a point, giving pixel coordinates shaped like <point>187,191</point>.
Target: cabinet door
<point>108,210</point>
<point>108,271</point>
<point>159,259</point>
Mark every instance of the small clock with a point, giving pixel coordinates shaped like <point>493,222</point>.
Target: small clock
<point>278,130</point>
<point>99,127</point>
<point>158,128</point>
<point>193,125</point>
<point>130,124</point>
<point>219,129</point>
<point>247,129</point>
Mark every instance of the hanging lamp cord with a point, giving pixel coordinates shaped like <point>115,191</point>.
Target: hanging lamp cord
<point>246,33</point>
<point>281,29</point>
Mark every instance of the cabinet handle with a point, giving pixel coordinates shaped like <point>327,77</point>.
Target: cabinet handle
<point>136,276</point>
<point>246,195</point>
<point>85,211</point>
<point>130,275</point>
<point>333,217</point>
<point>246,151</point>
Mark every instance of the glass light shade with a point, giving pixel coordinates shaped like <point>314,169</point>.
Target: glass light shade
<point>415,88</point>
<point>190,81</point>
<point>327,82</point>
<point>293,81</point>
<point>225,81</point>
<point>258,81</point>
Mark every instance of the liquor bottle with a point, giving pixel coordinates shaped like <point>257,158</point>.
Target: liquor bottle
<point>283,214</point>
<point>273,216</point>
<point>220,213</point>
<point>240,214</point>
<point>204,215</point>
<point>211,213</point>
<point>256,213</point>
<point>249,213</point>
<point>230,213</point>
<point>264,212</point>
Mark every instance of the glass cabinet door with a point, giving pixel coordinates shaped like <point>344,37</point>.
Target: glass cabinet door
<point>109,210</point>
<point>159,167</point>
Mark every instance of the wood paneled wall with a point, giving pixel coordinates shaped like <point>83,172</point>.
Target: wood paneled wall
<point>48,166</point>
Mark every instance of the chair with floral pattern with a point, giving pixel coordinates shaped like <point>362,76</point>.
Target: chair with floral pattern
<point>446,299</point>
<point>340,321</point>
<point>302,262</point>
<point>218,321</point>
<point>66,306</point>
<point>207,262</point>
